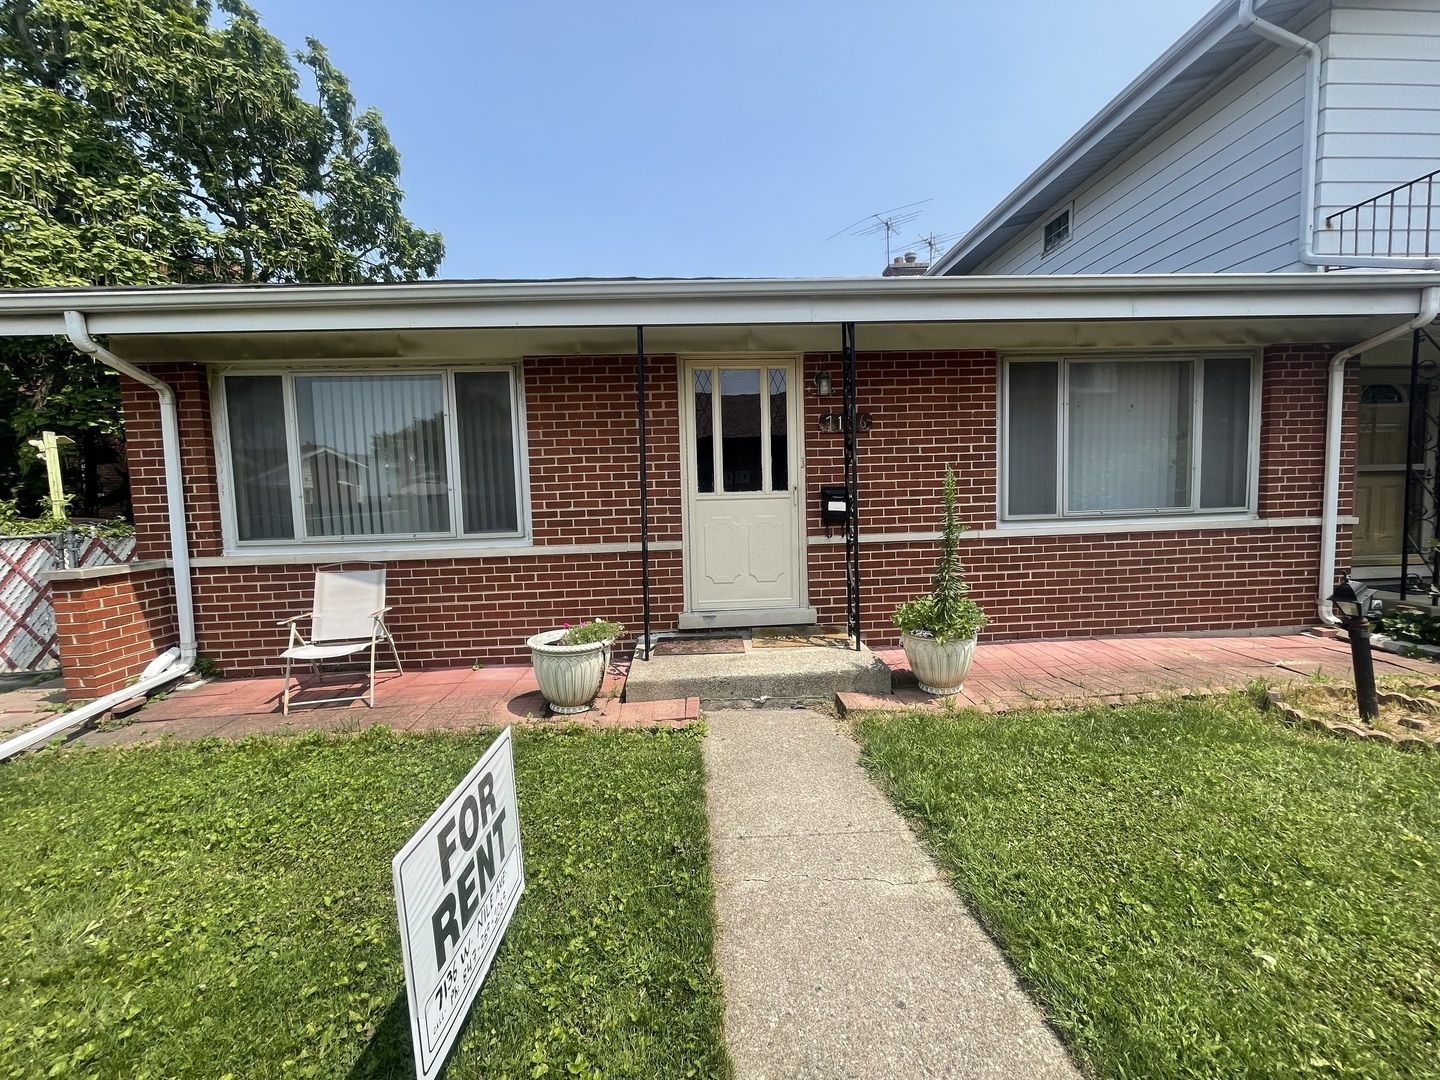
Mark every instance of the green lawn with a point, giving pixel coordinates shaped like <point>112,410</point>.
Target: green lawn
<point>1189,888</point>
<point>219,909</point>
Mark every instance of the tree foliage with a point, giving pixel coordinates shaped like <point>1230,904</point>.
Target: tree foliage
<point>149,142</point>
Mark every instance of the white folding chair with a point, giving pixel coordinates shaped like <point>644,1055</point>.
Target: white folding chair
<point>347,617</point>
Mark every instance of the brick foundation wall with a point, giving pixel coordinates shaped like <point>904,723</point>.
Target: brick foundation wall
<point>446,612</point>
<point>111,625</point>
<point>1093,585</point>
<point>929,409</point>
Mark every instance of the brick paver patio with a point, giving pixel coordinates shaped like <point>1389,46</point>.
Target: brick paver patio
<point>449,699</point>
<point>1006,675</point>
<point>1023,674</point>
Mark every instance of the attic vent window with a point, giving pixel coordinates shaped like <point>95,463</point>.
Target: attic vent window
<point>1057,231</point>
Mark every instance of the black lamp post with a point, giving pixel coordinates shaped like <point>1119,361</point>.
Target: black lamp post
<point>1352,601</point>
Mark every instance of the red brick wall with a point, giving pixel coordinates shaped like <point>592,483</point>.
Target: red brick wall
<point>584,454</point>
<point>147,466</point>
<point>936,408</point>
<point>111,627</point>
<point>584,489</point>
<point>446,612</point>
<point>928,408</point>
<point>1092,585</point>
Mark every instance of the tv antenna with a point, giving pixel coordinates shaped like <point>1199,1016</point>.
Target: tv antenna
<point>936,245</point>
<point>885,221</point>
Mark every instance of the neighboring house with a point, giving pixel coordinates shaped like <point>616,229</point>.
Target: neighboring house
<point>1305,145</point>
<point>1135,454</point>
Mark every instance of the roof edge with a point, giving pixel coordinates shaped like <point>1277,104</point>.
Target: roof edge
<point>716,302</point>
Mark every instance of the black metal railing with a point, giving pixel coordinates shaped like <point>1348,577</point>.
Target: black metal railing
<point>1395,223</point>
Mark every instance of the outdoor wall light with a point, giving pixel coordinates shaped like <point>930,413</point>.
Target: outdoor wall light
<point>1353,599</point>
<point>823,386</point>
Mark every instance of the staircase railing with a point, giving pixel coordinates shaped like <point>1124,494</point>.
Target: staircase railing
<point>1395,222</point>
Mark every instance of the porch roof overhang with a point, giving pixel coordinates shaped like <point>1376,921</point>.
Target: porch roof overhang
<point>709,301</point>
<point>570,317</point>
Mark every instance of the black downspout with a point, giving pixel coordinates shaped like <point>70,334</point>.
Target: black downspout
<point>852,487</point>
<point>644,486</point>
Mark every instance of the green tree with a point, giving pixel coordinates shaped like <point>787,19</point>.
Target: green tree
<point>175,141</point>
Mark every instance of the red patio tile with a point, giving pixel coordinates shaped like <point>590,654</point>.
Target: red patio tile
<point>1021,674</point>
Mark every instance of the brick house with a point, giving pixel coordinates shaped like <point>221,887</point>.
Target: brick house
<point>1135,454</point>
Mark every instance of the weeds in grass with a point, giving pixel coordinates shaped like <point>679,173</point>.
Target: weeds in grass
<point>1257,692</point>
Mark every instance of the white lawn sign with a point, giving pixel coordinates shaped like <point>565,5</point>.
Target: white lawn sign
<point>457,882</point>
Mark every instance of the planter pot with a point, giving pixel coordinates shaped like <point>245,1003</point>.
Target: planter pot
<point>941,669</point>
<point>569,675</point>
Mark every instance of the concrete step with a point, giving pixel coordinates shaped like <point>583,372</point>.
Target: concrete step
<point>769,677</point>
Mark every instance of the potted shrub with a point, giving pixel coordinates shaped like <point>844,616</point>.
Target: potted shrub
<point>570,663</point>
<point>938,630</point>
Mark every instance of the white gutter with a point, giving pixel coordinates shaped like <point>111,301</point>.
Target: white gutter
<point>172,663</point>
<point>1330,513</point>
<point>1309,163</point>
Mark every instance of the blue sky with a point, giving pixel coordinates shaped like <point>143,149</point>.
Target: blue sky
<point>554,139</point>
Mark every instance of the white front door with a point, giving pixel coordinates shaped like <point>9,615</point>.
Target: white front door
<point>740,422</point>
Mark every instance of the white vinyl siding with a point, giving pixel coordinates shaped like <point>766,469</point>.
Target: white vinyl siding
<point>1215,189</point>
<point>1380,104</point>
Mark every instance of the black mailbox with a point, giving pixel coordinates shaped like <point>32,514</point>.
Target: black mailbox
<point>834,506</point>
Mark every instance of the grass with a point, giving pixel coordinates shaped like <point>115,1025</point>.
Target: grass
<point>214,909</point>
<point>1189,888</point>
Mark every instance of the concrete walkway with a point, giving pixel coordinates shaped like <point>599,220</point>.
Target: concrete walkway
<point>843,950</point>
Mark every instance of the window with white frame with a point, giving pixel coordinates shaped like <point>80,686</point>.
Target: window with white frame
<point>1057,231</point>
<point>1091,437</point>
<point>329,456</point>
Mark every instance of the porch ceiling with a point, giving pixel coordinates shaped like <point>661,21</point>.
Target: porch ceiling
<point>425,346</point>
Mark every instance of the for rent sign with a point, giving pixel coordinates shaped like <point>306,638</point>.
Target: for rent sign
<point>456,884</point>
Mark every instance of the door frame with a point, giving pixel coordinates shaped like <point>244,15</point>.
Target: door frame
<point>690,618</point>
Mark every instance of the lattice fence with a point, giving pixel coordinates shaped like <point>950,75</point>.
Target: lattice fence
<point>28,641</point>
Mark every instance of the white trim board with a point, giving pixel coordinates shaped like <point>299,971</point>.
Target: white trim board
<point>459,552</point>
<point>1087,528</point>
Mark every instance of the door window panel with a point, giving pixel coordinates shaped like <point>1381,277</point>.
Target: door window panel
<point>741,447</point>
<point>704,434</point>
<point>779,431</point>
